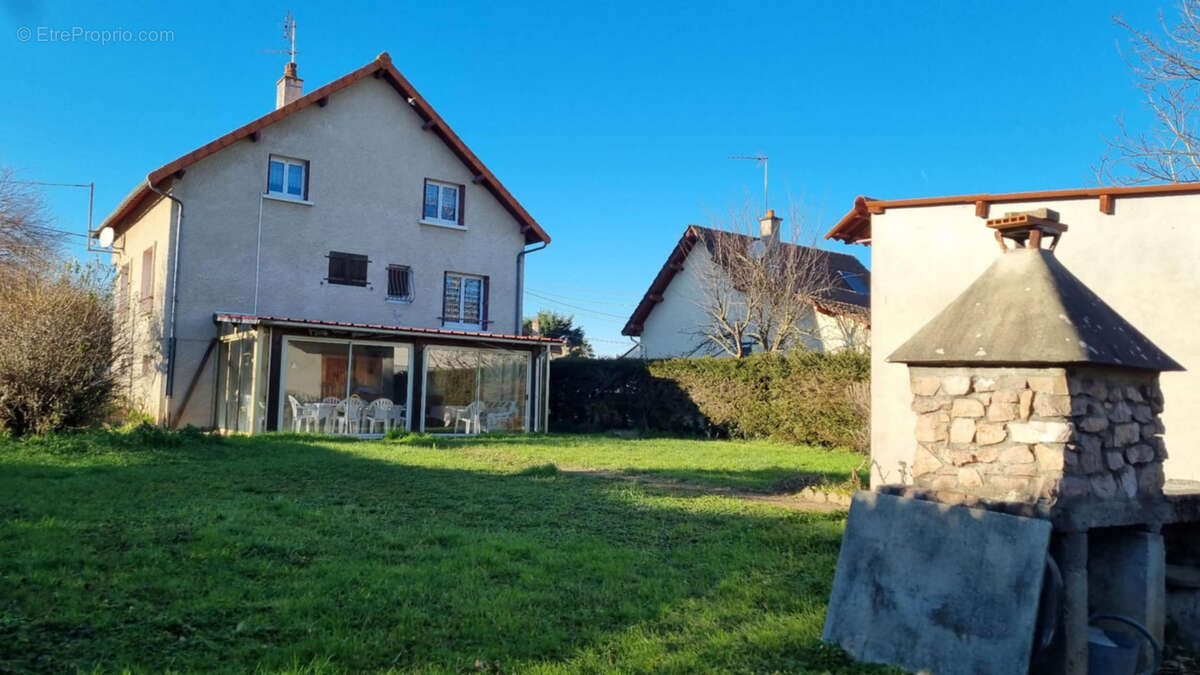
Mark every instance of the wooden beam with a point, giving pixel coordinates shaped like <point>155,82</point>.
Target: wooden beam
<point>378,74</point>
<point>179,174</point>
<point>656,297</point>
<point>187,395</point>
<point>253,136</point>
<point>1107,204</point>
<point>981,209</point>
<point>429,124</point>
<point>676,267</point>
<point>479,178</point>
<point>323,101</point>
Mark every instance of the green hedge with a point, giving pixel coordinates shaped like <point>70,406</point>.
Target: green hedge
<point>802,397</point>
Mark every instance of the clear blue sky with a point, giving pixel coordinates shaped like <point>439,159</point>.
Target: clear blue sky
<point>611,123</point>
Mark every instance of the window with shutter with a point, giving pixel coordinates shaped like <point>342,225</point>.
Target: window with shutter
<point>347,269</point>
<point>147,280</point>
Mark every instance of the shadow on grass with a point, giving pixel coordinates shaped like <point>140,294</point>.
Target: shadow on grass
<point>276,552</point>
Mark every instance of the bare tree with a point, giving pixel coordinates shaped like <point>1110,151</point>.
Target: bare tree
<point>760,291</point>
<point>25,237</point>
<point>1167,68</point>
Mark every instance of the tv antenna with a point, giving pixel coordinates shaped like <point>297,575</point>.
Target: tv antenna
<point>763,159</point>
<point>289,36</point>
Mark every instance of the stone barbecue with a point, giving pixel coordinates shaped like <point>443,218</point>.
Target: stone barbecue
<point>1033,398</point>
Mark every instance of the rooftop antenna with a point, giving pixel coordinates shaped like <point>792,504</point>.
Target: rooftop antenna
<point>289,35</point>
<point>763,159</point>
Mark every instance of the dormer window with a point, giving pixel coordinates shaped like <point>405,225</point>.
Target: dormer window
<point>288,178</point>
<point>443,203</point>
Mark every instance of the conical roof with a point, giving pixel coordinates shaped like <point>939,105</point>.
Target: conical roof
<point>1028,309</point>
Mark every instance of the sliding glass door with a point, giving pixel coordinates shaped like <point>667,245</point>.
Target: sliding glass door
<point>475,390</point>
<point>344,386</point>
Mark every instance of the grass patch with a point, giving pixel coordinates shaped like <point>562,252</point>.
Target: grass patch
<point>302,554</point>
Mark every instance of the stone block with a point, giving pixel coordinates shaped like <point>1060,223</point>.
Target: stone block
<point>1010,382</point>
<point>1051,405</point>
<point>1005,396</point>
<point>962,430</point>
<point>1024,404</point>
<point>1083,406</point>
<point>956,385</point>
<point>1120,412</point>
<point>1091,457</point>
<point>903,597</point>
<point>925,462</point>
<point>1070,461</point>
<point>1040,432</point>
<point>1115,394</point>
<point>1050,457</point>
<point>1001,412</point>
<point>1017,454</point>
<point>924,404</point>
<point>1139,454</point>
<point>969,478</point>
<point>1150,479</point>
<point>1103,485</point>
<point>1073,486</point>
<point>944,483</point>
<point>973,456</point>
<point>1009,483</point>
<point>1027,470</point>
<point>983,383</point>
<point>1143,413</point>
<point>1132,393</point>
<point>1160,448</point>
<point>966,407</point>
<point>1093,424</point>
<point>990,434</point>
<point>933,427</point>
<point>925,386</point>
<point>1127,483</point>
<point>1114,460</point>
<point>1148,431</point>
<point>1126,434</point>
<point>1049,384</point>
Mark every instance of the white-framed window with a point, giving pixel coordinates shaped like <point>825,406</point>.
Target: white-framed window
<point>464,301</point>
<point>399,283</point>
<point>443,203</point>
<point>287,177</point>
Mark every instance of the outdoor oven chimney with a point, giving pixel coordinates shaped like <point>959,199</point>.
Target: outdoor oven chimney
<point>289,87</point>
<point>1030,388</point>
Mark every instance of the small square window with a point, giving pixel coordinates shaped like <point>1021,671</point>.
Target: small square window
<point>443,203</point>
<point>348,269</point>
<point>287,177</point>
<point>399,282</point>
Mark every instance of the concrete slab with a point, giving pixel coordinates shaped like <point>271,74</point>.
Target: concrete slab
<point>944,589</point>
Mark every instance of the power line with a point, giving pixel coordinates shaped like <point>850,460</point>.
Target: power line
<point>575,307</point>
<point>578,299</point>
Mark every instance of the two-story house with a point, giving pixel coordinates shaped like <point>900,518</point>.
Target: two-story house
<point>344,263</point>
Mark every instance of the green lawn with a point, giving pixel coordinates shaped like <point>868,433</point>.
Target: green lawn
<point>156,552</point>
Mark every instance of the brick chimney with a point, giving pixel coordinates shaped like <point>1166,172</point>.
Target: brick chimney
<point>768,226</point>
<point>1030,388</point>
<point>289,87</point>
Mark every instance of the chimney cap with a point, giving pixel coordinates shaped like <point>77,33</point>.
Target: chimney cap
<point>1026,228</point>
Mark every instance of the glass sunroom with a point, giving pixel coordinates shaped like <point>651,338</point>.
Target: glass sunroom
<point>275,374</point>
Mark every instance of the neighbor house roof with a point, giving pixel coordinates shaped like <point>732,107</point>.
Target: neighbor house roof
<point>839,300</point>
<point>380,68</point>
<point>251,319</point>
<point>855,226</point>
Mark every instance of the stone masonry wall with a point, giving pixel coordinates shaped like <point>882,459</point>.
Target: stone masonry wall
<point>1037,434</point>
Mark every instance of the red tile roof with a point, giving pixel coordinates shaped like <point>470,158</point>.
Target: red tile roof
<point>855,226</point>
<point>225,317</point>
<point>381,67</point>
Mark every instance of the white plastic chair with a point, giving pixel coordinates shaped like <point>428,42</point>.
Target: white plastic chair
<point>468,416</point>
<point>498,414</point>
<point>350,420</point>
<point>399,416</point>
<point>378,412</point>
<point>303,414</point>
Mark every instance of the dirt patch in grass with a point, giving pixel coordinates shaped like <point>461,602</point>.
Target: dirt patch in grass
<point>787,493</point>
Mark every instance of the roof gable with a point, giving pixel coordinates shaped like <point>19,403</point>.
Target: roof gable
<point>381,68</point>
<point>835,303</point>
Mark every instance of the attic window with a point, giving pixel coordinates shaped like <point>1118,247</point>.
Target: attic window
<point>854,281</point>
<point>288,178</point>
<point>443,203</point>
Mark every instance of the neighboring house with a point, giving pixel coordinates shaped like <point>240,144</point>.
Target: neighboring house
<point>1136,247</point>
<point>344,249</point>
<point>671,316</point>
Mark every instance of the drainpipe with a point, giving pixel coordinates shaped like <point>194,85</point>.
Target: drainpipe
<point>174,296</point>
<point>521,282</point>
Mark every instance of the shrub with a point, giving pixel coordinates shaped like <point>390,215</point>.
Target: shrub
<point>56,348</point>
<point>802,397</point>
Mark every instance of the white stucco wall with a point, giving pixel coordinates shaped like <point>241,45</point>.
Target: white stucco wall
<point>1141,260</point>
<point>368,159</point>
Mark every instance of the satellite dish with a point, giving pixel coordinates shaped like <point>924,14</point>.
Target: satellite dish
<point>106,237</point>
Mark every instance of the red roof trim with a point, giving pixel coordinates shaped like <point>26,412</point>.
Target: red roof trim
<point>225,317</point>
<point>855,226</point>
<point>663,279</point>
<point>533,231</point>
